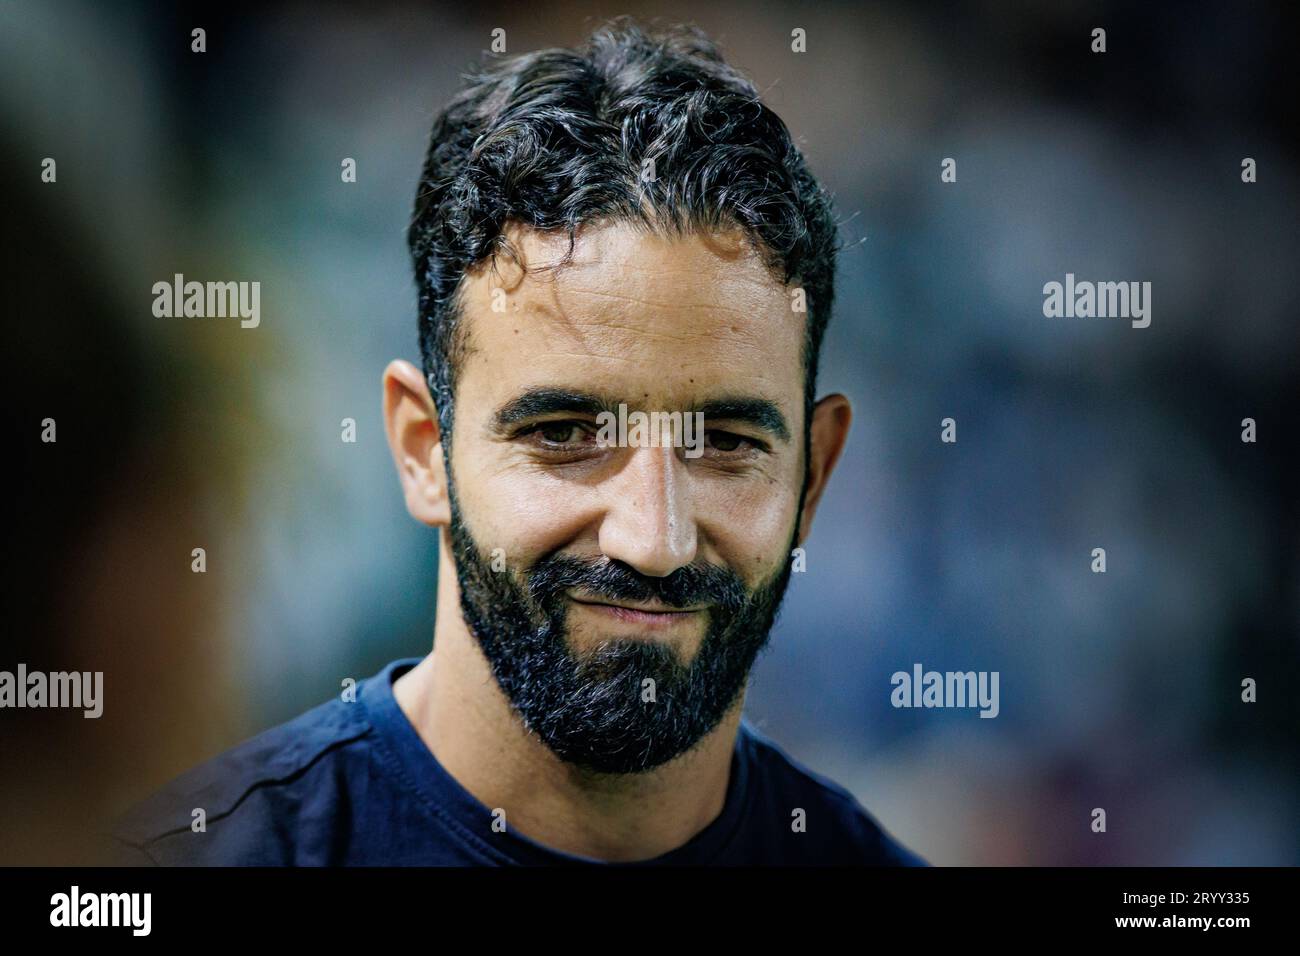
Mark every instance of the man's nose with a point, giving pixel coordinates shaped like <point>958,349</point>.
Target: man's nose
<point>649,523</point>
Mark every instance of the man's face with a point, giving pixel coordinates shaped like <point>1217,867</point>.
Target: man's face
<point>552,531</point>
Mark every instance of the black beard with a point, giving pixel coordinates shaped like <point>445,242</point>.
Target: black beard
<point>589,710</point>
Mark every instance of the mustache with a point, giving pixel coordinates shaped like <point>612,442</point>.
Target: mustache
<point>694,584</point>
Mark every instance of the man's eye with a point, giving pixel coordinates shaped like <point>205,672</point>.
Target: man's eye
<point>560,433</point>
<point>726,441</point>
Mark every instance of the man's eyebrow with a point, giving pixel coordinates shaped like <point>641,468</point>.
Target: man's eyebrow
<point>544,401</point>
<point>759,412</point>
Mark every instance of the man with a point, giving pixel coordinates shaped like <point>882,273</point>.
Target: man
<point>616,230</point>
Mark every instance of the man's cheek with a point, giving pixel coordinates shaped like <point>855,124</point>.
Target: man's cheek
<point>759,527</point>
<point>531,506</point>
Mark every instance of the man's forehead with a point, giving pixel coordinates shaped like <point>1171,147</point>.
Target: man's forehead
<point>635,307</point>
<point>609,246</point>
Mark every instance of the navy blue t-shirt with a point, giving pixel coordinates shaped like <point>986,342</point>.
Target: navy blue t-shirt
<point>352,783</point>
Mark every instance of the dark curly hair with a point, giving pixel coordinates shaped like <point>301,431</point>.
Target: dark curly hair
<point>555,138</point>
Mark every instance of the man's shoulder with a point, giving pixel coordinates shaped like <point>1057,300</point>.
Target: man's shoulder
<point>230,808</point>
<point>832,817</point>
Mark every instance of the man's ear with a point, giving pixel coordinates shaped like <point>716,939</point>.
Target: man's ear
<point>830,430</point>
<point>411,423</point>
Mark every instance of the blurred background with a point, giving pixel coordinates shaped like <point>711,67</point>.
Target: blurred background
<point>1119,690</point>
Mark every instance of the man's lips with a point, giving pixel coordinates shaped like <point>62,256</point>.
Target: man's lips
<point>651,616</point>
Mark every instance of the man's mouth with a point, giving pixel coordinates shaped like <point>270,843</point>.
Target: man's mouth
<point>646,614</point>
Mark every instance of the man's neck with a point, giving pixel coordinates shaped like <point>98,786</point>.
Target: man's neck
<point>456,706</point>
